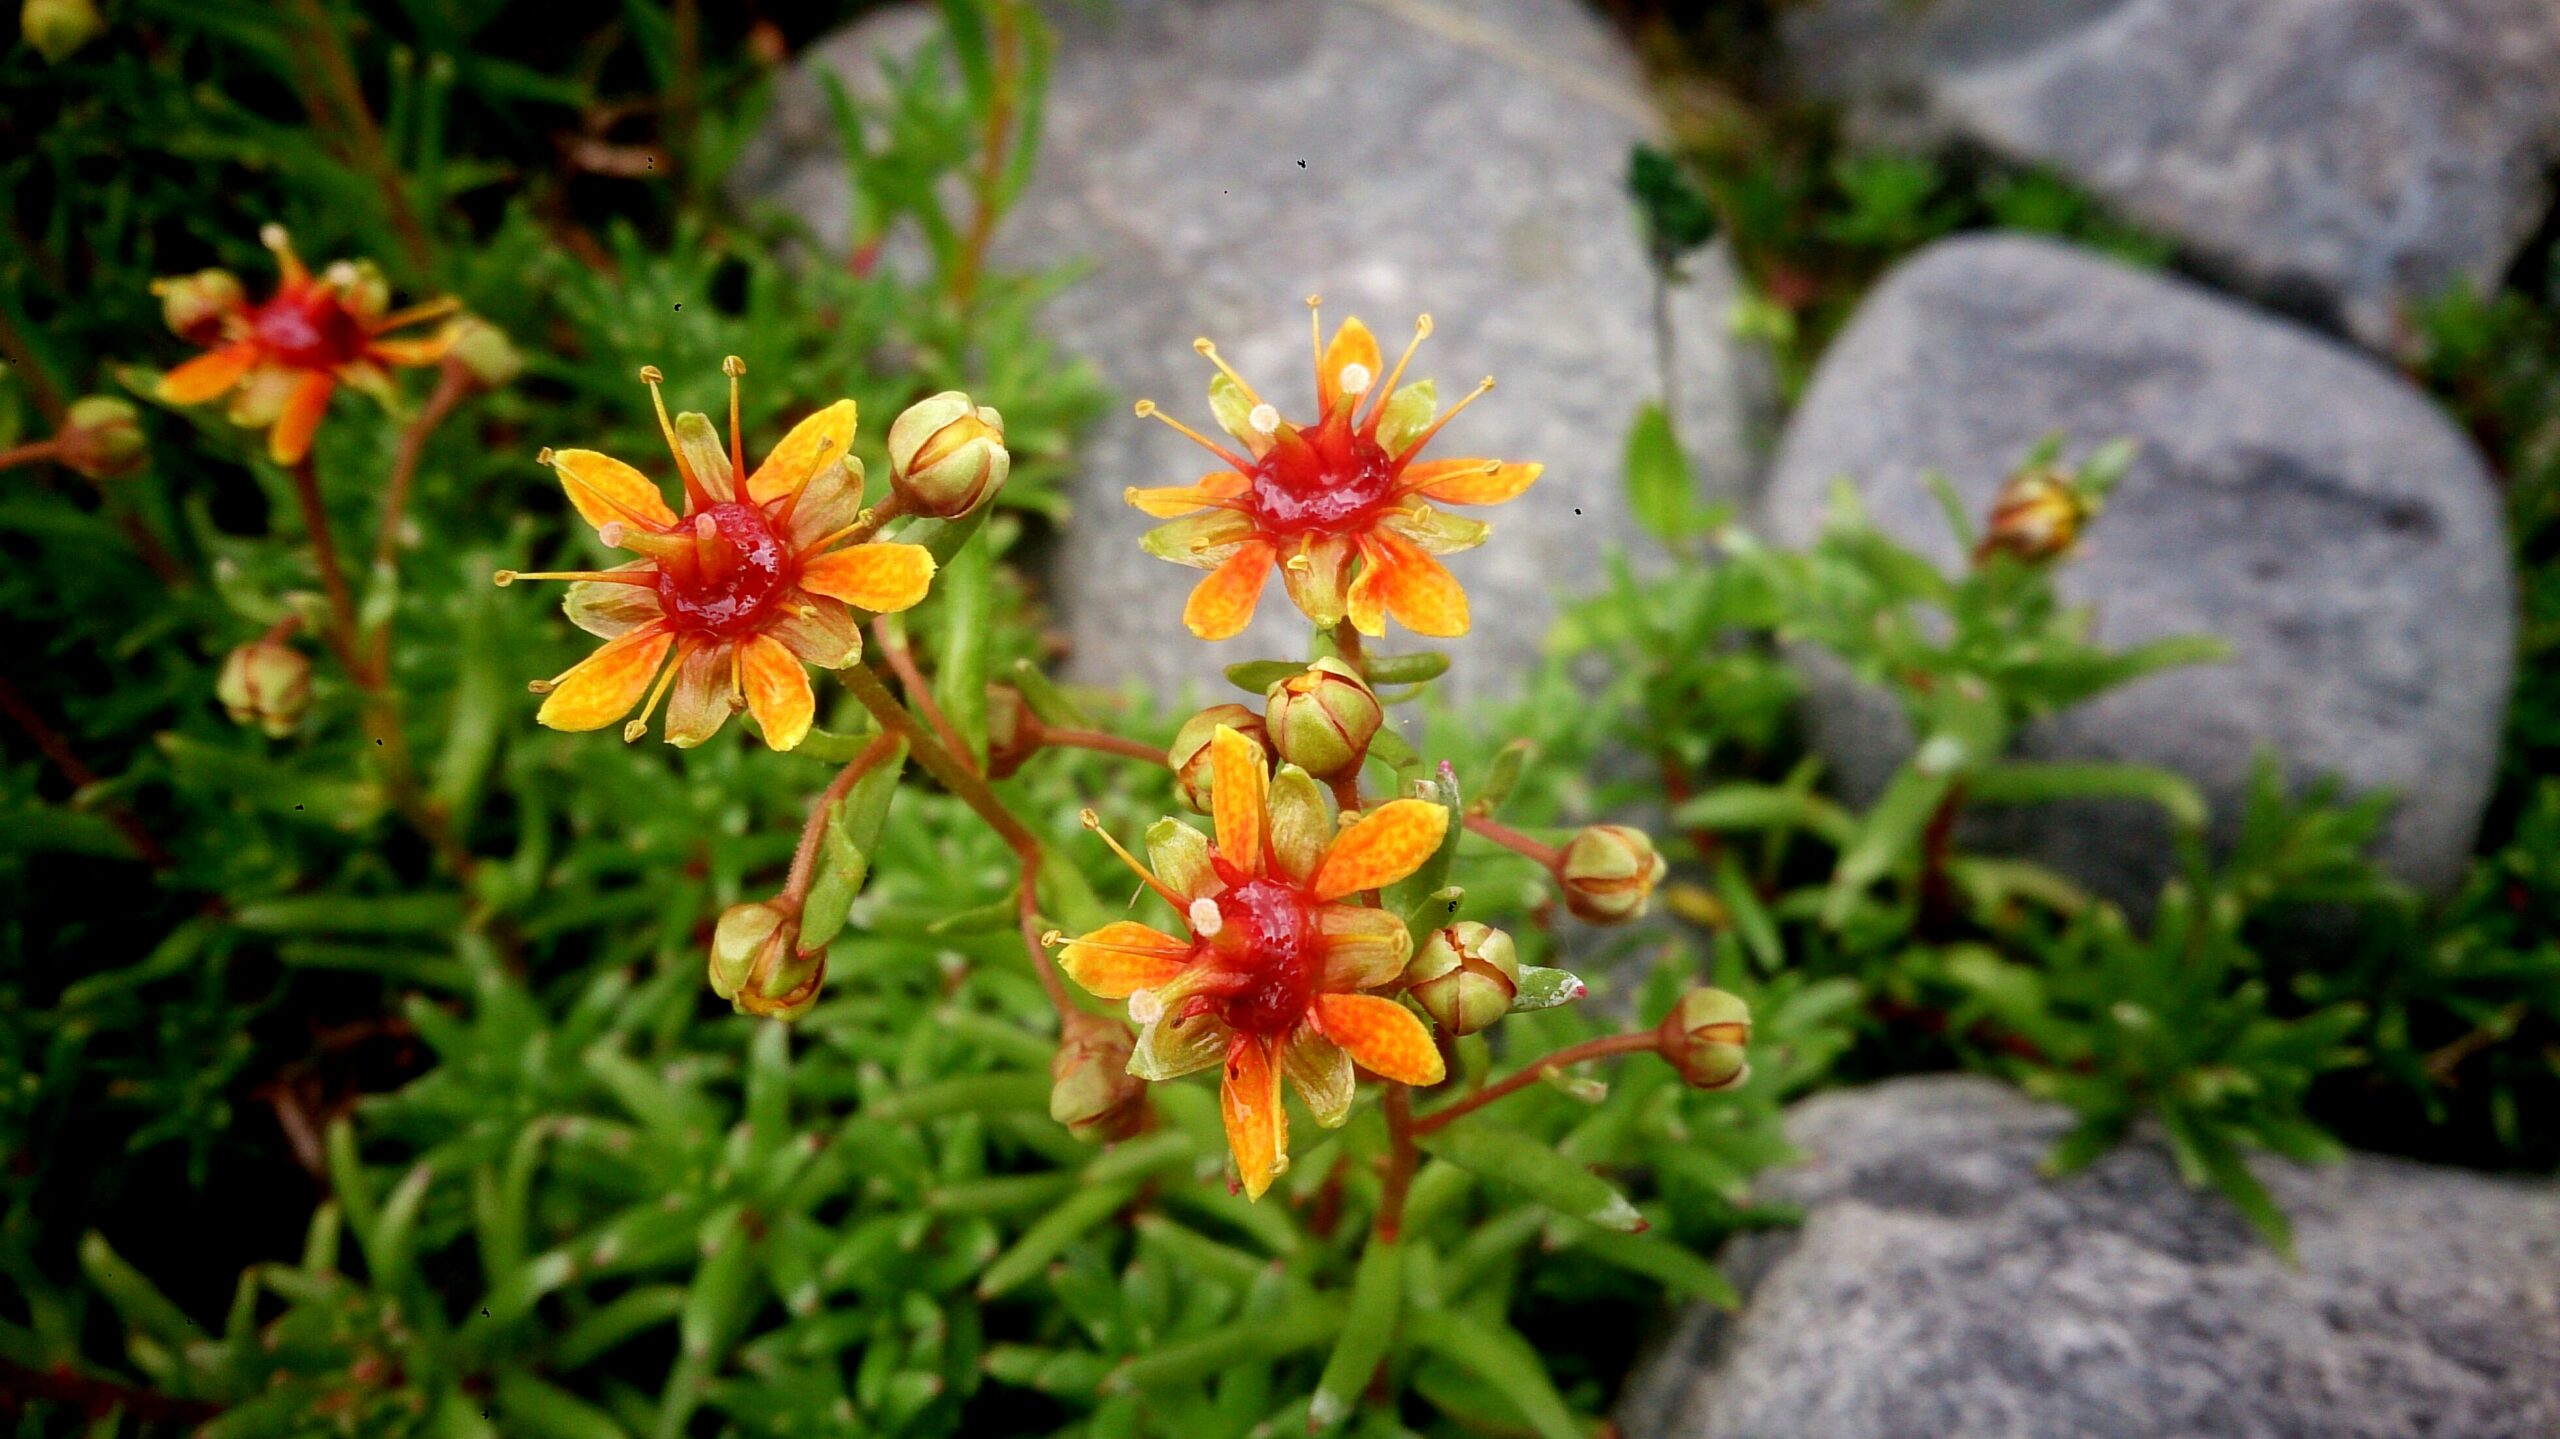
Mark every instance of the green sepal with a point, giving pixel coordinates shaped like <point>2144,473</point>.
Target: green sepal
<point>1545,988</point>
<point>1420,667</point>
<point>851,836</point>
<point>1256,676</point>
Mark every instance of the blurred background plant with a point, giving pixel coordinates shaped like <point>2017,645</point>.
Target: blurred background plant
<point>346,1098</point>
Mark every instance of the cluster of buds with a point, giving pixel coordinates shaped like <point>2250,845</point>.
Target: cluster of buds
<point>267,683</point>
<point>1465,976</point>
<point>947,455</point>
<point>101,437</point>
<point>757,964</point>
<point>1707,1037</point>
<point>1607,873</point>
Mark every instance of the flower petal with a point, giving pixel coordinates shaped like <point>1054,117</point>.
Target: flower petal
<point>1318,573</point>
<point>1257,1122</point>
<point>605,489</point>
<point>1365,605</point>
<point>704,695</point>
<point>829,502</point>
<point>1363,948</point>
<point>608,609</point>
<point>605,685</point>
<point>1223,604</point>
<point>1300,828</point>
<point>1435,532</point>
<point>1179,855</point>
<point>1382,1035</point>
<point>290,439</point>
<point>881,577</point>
<point>824,436</point>
<point>420,350</point>
<point>777,689</point>
<point>821,631</point>
<point>1322,1072</point>
<point>1237,785</point>
<point>1471,482</point>
<point>1172,1048</point>
<point>1121,958</point>
<point>207,375</point>
<point>1175,501</point>
<point>1387,844</point>
<point>1352,345</point>
<point>1203,541</point>
<point>1419,591</point>
<point>259,399</point>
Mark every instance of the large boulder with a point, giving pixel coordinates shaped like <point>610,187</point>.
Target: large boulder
<point>2337,158</point>
<point>1939,1286</point>
<point>1213,162</point>
<point>2291,496</point>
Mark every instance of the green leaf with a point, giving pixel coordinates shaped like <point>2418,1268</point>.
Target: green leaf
<point>1049,1236</point>
<point>1368,1329</point>
<point>1662,1259</point>
<point>966,586</point>
<point>1302,1323</point>
<point>851,835</point>
<point>1506,1364</point>
<point>1545,988</point>
<point>1660,488</point>
<point>2046,781</point>
<point>1256,676</point>
<point>1412,669</point>
<point>538,1410</point>
<point>1889,838</point>
<point>1508,1157</point>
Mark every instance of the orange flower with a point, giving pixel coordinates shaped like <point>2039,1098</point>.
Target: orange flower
<point>282,358</point>
<point>733,596</point>
<point>1337,505</point>
<point>1271,980</point>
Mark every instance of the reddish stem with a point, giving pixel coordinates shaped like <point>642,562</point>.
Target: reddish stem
<point>1511,839</point>
<point>1397,1181</point>
<point>1589,1049</point>
<point>1095,740</point>
<point>804,860</point>
<point>59,751</point>
<point>30,453</point>
<point>903,662</point>
<point>452,386</point>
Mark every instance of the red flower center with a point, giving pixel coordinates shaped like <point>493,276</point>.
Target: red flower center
<point>737,571</point>
<point>308,330</point>
<point>1334,483</point>
<point>1268,944</point>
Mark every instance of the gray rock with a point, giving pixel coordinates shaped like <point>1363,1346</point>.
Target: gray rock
<point>2291,496</point>
<point>1215,161</point>
<point>1939,1287</point>
<point>2338,158</point>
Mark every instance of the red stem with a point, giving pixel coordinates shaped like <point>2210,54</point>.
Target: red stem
<point>1512,839</point>
<point>804,860</point>
<point>59,751</point>
<point>1096,740</point>
<point>903,663</point>
<point>1589,1049</point>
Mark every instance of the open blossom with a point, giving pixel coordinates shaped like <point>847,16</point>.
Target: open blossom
<point>282,358</point>
<point>1337,505</point>
<point>1271,978</point>
<point>759,576</point>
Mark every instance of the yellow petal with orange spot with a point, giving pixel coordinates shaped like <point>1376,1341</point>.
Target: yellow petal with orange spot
<point>1257,1122</point>
<point>1238,784</point>
<point>605,685</point>
<point>207,375</point>
<point>1471,482</point>
<point>778,692</point>
<point>1387,844</point>
<point>811,443</point>
<point>880,577</point>
<point>1352,345</point>
<point>1420,592</point>
<point>1174,501</point>
<point>290,438</point>
<point>1121,958</point>
<point>1382,1036</point>
<point>605,489</point>
<point>1223,603</point>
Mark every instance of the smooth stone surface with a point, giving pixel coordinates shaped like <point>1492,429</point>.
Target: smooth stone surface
<point>2336,158</point>
<point>2291,496</point>
<point>1215,161</point>
<point>1938,1287</point>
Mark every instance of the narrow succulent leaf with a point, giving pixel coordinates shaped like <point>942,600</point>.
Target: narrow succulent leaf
<point>1420,667</point>
<point>1256,676</point>
<point>1049,1236</point>
<point>1504,1362</point>
<point>1509,1157</point>
<point>1542,987</point>
<point>1046,700</point>
<point>1368,1330</point>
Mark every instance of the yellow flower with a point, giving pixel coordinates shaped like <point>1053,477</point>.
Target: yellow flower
<point>1337,505</point>
<point>1271,980</point>
<point>731,598</point>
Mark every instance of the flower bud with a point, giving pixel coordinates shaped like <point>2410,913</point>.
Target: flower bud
<point>196,305</point>
<point>1607,872</point>
<point>485,351</point>
<point>56,28</point>
<point>1092,1092</point>
<point>267,683</point>
<point>2036,517</point>
<point>1012,731</point>
<point>1706,1037</point>
<point>102,437</point>
<point>737,942</point>
<point>756,963</point>
<point>947,455</point>
<point>1465,976</point>
<point>1189,757</point>
<point>1322,718</point>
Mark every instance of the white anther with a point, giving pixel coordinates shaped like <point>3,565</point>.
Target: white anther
<point>1144,1007</point>
<point>1205,919</point>
<point>1264,418</point>
<point>1355,379</point>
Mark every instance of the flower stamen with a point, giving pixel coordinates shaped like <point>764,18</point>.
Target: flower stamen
<point>696,496</point>
<point>1387,391</point>
<point>1414,445</point>
<point>1209,352</point>
<point>631,732</point>
<point>1146,410</point>
<point>736,369</point>
<point>1093,822</point>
